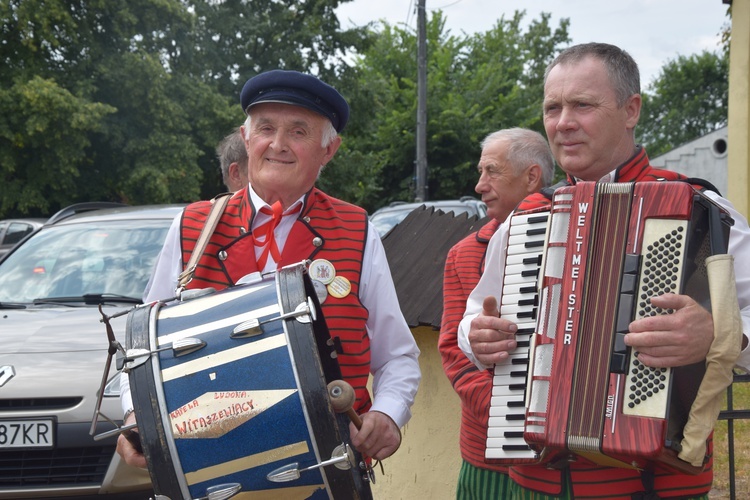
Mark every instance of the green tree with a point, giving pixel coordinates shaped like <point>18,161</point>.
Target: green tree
<point>475,85</point>
<point>44,133</point>
<point>688,99</point>
<point>143,90</point>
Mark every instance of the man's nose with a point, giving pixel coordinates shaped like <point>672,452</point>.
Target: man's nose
<point>279,140</point>
<point>567,119</point>
<point>481,185</point>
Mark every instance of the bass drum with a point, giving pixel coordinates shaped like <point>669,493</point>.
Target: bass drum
<point>251,402</point>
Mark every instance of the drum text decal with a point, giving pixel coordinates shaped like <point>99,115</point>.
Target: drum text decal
<point>213,414</point>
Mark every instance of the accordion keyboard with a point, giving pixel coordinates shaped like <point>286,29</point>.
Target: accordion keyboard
<point>520,301</point>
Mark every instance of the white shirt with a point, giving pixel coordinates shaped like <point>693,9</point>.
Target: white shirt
<point>490,284</point>
<point>393,350</point>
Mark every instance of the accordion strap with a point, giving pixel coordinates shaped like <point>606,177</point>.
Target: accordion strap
<point>218,204</point>
<point>720,360</point>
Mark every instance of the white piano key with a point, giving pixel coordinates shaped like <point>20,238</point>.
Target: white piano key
<point>500,432</point>
<point>499,453</point>
<point>520,257</point>
<point>515,318</point>
<point>504,421</point>
<point>500,442</point>
<point>509,369</point>
<point>516,298</point>
<point>519,219</point>
<point>506,390</point>
<point>522,240</point>
<point>516,288</point>
<point>515,309</point>
<point>521,268</point>
<point>498,403</point>
<point>515,279</point>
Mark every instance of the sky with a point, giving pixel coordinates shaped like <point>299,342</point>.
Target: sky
<point>652,31</point>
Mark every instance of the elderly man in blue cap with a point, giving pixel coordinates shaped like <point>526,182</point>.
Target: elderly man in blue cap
<point>281,218</point>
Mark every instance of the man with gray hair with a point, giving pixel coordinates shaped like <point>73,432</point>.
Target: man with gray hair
<point>514,163</point>
<point>232,157</point>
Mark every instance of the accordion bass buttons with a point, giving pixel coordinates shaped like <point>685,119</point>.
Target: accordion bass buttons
<point>628,288</point>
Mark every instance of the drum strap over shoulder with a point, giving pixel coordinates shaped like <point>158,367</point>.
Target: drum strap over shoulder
<point>218,204</point>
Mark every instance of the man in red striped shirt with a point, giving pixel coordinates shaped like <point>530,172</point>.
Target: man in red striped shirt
<point>514,163</point>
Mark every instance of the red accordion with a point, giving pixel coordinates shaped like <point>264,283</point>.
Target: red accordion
<point>609,248</point>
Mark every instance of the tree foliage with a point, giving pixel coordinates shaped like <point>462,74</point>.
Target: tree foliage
<point>125,100</point>
<point>475,84</point>
<point>688,99</point>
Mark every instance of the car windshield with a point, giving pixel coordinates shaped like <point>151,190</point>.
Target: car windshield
<point>73,260</point>
<point>384,221</point>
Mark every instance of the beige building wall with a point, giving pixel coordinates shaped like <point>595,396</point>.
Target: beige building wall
<point>427,463</point>
<point>739,108</point>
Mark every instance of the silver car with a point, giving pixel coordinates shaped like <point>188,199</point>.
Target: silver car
<point>13,231</point>
<point>385,218</point>
<point>53,349</point>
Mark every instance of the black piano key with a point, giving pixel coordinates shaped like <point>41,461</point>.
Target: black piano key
<point>534,301</point>
<point>527,289</point>
<point>513,434</point>
<point>515,416</point>
<point>519,361</point>
<point>523,343</point>
<point>534,232</point>
<point>525,331</point>
<point>517,387</point>
<point>537,219</point>
<point>534,244</point>
<point>535,261</point>
<point>515,447</point>
<point>534,273</point>
<point>516,404</point>
<point>527,314</point>
<point>517,374</point>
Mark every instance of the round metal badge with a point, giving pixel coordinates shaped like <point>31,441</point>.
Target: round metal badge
<point>322,270</point>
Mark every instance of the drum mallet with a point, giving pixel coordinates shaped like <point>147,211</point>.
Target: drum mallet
<point>342,398</point>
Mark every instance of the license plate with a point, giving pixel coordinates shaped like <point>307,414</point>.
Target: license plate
<point>38,433</point>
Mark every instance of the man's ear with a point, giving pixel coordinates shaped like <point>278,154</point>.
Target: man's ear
<point>633,108</point>
<point>331,149</point>
<point>533,178</point>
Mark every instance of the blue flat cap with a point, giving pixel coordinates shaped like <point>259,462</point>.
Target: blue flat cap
<point>299,89</point>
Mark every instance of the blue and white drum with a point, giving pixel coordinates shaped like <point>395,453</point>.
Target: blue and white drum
<point>251,401</point>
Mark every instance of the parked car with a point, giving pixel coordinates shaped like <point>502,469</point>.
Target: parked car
<point>53,349</point>
<point>14,230</point>
<point>385,218</point>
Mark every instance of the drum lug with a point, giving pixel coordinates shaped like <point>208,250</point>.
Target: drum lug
<point>136,357</point>
<point>221,491</point>
<point>304,313</point>
<point>342,458</point>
